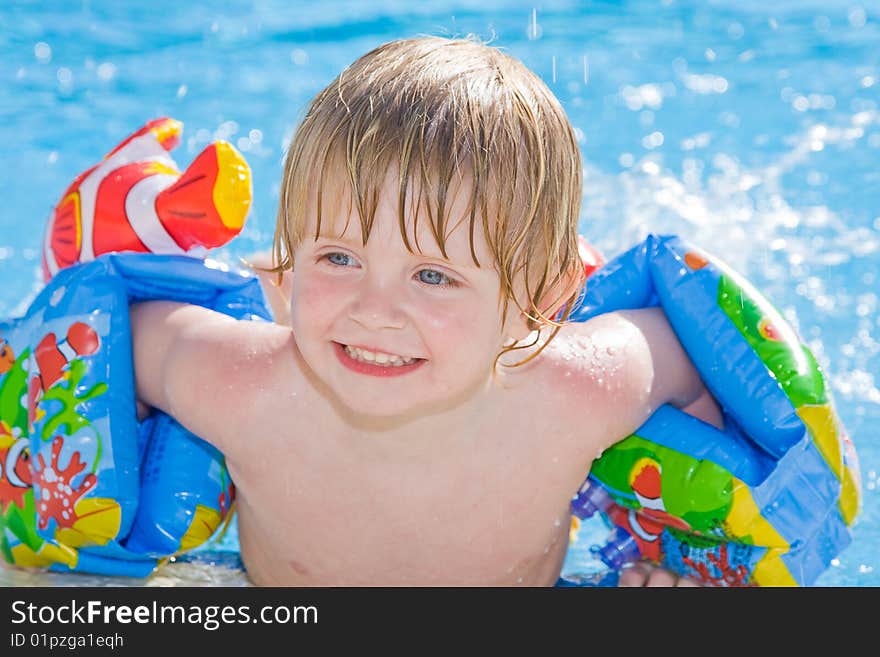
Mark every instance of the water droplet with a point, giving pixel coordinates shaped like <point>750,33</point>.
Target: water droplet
<point>43,52</point>
<point>106,71</point>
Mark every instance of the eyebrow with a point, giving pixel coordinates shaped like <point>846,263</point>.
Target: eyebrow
<point>357,243</point>
<point>339,238</point>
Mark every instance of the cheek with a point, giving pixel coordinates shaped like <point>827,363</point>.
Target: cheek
<point>468,330</point>
<point>314,297</point>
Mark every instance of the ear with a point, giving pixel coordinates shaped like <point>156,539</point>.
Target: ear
<point>516,327</point>
<point>570,283</point>
<point>555,298</point>
<point>519,325</point>
<point>278,295</point>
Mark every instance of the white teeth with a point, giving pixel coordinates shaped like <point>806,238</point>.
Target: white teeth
<point>385,360</point>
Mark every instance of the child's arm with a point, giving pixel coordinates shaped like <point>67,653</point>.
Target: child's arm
<point>203,367</point>
<point>626,364</point>
<point>632,363</point>
<point>666,368</point>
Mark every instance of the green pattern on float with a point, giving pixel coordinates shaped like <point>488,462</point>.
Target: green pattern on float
<point>791,363</point>
<point>699,492</point>
<point>13,387</point>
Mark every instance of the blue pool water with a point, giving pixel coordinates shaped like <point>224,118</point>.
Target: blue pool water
<point>751,127</point>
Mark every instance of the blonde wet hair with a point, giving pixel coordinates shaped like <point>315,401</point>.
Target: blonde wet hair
<point>436,109</point>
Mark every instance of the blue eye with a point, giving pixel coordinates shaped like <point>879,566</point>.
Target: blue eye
<point>339,259</point>
<point>435,278</point>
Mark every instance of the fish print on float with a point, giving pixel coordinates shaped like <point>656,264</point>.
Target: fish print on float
<point>136,199</point>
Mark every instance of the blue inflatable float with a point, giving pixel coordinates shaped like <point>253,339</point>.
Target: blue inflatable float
<point>770,499</point>
<point>85,486</point>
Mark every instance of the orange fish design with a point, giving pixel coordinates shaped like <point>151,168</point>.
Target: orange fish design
<point>646,482</point>
<point>136,199</point>
<point>52,357</point>
<point>16,475</point>
<point>646,524</point>
<point>7,357</point>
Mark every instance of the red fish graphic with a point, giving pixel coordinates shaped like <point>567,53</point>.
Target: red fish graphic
<point>136,199</point>
<point>16,475</point>
<point>52,357</point>
<point>7,357</point>
<point>646,525</point>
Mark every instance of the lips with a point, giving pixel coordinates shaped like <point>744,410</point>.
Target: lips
<point>377,356</point>
<point>371,369</point>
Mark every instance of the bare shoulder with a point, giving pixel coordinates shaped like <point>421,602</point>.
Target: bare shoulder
<point>596,377</point>
<point>213,373</point>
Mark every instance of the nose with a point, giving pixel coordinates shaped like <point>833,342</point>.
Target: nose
<point>377,306</point>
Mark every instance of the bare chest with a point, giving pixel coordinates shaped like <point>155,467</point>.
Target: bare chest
<point>489,507</point>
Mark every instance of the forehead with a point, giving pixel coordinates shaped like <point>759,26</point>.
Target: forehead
<point>416,223</point>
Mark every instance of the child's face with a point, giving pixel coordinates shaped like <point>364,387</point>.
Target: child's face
<point>394,333</point>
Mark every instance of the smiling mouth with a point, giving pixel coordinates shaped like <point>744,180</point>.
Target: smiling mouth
<point>379,358</point>
<point>376,363</point>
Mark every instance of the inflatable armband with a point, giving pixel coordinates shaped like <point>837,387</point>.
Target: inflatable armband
<point>769,500</point>
<point>83,485</point>
<point>136,199</point>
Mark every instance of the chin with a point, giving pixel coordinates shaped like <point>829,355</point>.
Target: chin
<point>382,409</point>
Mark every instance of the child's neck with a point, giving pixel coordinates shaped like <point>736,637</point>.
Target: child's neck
<point>439,426</point>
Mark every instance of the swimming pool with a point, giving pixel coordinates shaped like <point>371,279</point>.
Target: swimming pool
<point>751,128</point>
